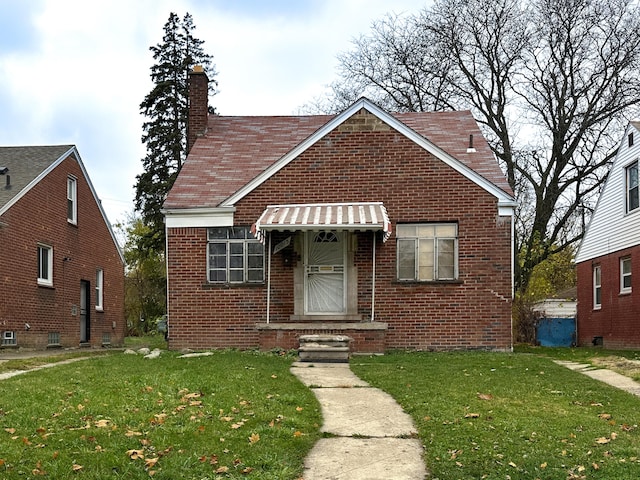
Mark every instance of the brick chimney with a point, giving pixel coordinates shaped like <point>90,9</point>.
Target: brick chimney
<point>198,105</point>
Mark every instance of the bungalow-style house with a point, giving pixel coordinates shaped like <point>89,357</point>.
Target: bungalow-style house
<point>392,229</point>
<point>608,304</point>
<point>61,269</point>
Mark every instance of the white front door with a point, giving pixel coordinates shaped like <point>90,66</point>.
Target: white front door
<point>324,278</point>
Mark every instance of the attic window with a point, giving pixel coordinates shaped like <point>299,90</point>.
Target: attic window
<point>630,138</point>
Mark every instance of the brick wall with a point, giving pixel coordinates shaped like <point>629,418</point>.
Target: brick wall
<point>41,217</point>
<point>617,319</point>
<point>362,162</point>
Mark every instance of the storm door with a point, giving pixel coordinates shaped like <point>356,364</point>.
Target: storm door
<point>85,321</point>
<point>325,275</point>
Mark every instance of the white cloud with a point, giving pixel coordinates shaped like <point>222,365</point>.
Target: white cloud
<point>84,69</point>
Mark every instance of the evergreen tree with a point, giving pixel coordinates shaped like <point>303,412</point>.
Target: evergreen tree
<point>165,130</point>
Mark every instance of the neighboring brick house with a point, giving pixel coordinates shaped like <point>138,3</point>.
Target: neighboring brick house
<point>608,303</point>
<point>61,269</point>
<point>393,229</point>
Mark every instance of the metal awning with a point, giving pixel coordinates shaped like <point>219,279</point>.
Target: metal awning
<point>330,216</point>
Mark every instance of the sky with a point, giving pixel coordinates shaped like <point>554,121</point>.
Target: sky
<point>76,71</point>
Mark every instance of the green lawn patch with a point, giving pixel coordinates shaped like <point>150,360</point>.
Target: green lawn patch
<point>228,415</point>
<point>497,416</point>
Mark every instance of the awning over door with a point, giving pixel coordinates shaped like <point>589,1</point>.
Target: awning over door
<point>324,216</point>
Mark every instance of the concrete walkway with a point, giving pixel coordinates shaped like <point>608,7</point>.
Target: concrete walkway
<point>372,437</point>
<point>604,375</point>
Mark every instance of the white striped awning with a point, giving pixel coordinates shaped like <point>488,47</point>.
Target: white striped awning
<point>329,216</point>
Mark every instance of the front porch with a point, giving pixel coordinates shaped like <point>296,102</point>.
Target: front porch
<point>367,337</point>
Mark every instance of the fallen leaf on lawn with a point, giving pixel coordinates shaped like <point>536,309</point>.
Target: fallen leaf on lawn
<point>427,418</point>
<point>151,462</point>
<point>596,404</point>
<point>10,431</point>
<point>80,407</point>
<point>147,389</point>
<point>247,470</point>
<point>274,376</point>
<point>55,455</point>
<point>581,468</point>
<point>1,462</point>
<point>614,435</point>
<point>236,426</point>
<point>26,441</point>
<point>602,440</point>
<point>38,470</point>
<point>254,438</point>
<point>135,454</point>
<point>627,428</point>
<point>511,464</point>
<point>102,423</point>
<point>485,396</point>
<point>472,415</point>
<point>195,403</point>
<point>222,470</point>
<point>297,433</point>
<point>299,409</point>
<point>543,465</point>
<point>604,416</point>
<point>595,466</point>
<point>226,419</point>
<point>131,433</point>
<point>76,467</point>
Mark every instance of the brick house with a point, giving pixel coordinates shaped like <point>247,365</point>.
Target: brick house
<point>393,229</point>
<point>608,305</point>
<point>61,269</point>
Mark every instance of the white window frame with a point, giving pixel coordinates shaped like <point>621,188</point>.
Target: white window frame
<point>45,277</point>
<point>597,287</point>
<point>99,289</point>
<point>632,187</point>
<point>234,238</point>
<point>9,338</point>
<point>72,200</point>
<point>625,275</point>
<point>403,236</point>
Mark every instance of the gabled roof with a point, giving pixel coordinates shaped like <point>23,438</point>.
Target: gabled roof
<point>28,165</point>
<point>611,228</point>
<point>237,154</point>
<point>25,165</point>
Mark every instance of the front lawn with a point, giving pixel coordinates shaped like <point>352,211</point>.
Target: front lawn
<point>228,415</point>
<point>520,416</point>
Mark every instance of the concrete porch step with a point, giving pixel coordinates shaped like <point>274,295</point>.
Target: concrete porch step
<point>324,348</point>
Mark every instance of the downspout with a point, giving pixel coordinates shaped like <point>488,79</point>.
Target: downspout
<point>373,279</point>
<point>269,278</point>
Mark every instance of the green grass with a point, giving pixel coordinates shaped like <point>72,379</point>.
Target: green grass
<point>37,360</point>
<point>497,416</point>
<point>229,415</point>
<point>152,340</point>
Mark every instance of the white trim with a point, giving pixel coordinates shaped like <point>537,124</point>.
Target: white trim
<point>623,289</point>
<point>397,125</point>
<point>199,217</point>
<point>46,281</point>
<point>596,268</point>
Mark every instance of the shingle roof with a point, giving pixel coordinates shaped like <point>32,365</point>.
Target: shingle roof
<point>24,165</point>
<point>237,149</point>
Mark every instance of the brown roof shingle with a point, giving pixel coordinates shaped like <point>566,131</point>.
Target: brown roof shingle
<point>237,149</point>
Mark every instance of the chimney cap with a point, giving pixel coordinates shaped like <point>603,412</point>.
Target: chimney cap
<point>3,170</point>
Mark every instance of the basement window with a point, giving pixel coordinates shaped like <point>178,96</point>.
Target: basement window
<point>9,338</point>
<point>53,339</point>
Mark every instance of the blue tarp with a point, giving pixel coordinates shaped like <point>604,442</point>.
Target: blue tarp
<point>556,332</point>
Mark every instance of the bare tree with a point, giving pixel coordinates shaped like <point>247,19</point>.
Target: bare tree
<point>552,83</point>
